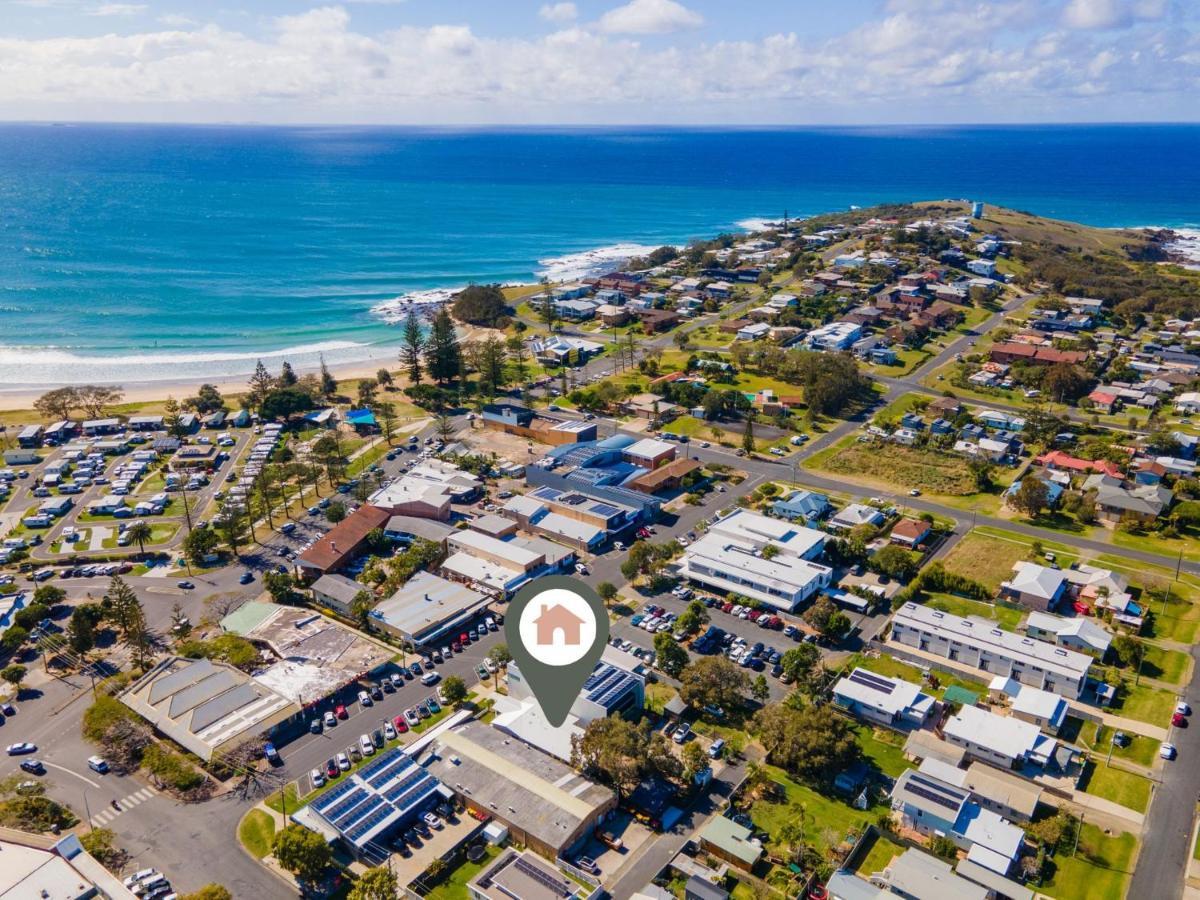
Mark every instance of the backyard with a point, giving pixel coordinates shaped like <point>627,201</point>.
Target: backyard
<point>1099,869</point>
<point>1129,790</point>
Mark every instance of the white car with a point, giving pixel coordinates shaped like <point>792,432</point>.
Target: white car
<point>1167,751</point>
<point>618,546</point>
<point>580,569</point>
<point>21,748</point>
<point>430,678</point>
<point>389,731</point>
<point>365,699</point>
<point>1183,709</point>
<point>343,762</point>
<point>490,664</point>
<point>432,820</point>
<point>317,777</point>
<point>364,742</point>
<point>330,719</point>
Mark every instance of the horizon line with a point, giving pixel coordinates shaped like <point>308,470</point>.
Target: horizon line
<point>481,126</point>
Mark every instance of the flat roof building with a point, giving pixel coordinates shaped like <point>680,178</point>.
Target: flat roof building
<point>427,608</point>
<point>515,875</point>
<point>977,642</point>
<point>205,706</point>
<point>546,804</point>
<point>37,867</point>
<point>1003,741</point>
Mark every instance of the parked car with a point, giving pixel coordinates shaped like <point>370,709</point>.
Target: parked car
<point>1167,751</point>
<point>343,762</point>
<point>317,777</point>
<point>33,766</point>
<point>364,699</point>
<point>21,748</point>
<point>331,768</point>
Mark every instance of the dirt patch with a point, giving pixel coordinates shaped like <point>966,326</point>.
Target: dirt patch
<point>905,467</point>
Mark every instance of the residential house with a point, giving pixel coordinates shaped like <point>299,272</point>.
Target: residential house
<point>1045,709</point>
<point>855,514</point>
<point>809,506</point>
<point>911,533</point>
<point>834,336</point>
<point>1003,741</point>
<point>755,331</point>
<point>887,701</point>
<point>1013,352</point>
<point>1116,502</point>
<point>1034,586</point>
<point>1078,633</point>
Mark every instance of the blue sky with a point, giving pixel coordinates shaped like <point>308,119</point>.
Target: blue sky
<point>602,61</point>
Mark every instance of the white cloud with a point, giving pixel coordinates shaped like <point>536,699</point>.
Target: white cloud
<point>559,12</point>
<point>916,62</point>
<point>650,17</point>
<point>174,20</point>
<point>1107,14</point>
<point>117,9</point>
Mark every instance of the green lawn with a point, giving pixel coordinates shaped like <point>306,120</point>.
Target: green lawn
<point>1171,666</point>
<point>1129,790</point>
<point>903,468</point>
<point>884,748</point>
<point>455,885</point>
<point>987,555</point>
<point>1093,736</point>
<point>882,852</point>
<point>894,668</point>
<point>658,695</point>
<point>907,361</point>
<point>1144,703</point>
<point>1156,543</point>
<point>257,832</point>
<point>825,818</point>
<point>1004,616</point>
<point>1099,870</point>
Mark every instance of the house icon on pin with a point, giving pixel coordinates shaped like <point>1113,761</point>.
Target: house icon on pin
<point>557,618</point>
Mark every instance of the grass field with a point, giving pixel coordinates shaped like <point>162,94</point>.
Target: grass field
<point>257,832</point>
<point>984,558</point>
<point>903,468</point>
<point>1171,666</point>
<point>1129,790</point>
<point>894,668</point>
<point>884,748</point>
<point>1004,616</point>
<point>1144,703</point>
<point>1099,870</point>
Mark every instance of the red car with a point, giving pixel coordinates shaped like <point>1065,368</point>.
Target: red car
<point>754,615</point>
<point>464,639</point>
<point>1179,720</point>
<point>401,725</point>
<point>340,712</point>
<point>331,769</point>
<point>643,533</point>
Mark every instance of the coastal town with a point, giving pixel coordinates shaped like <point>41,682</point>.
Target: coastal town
<point>895,517</point>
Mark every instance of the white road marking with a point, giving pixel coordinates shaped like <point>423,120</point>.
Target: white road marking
<point>50,765</point>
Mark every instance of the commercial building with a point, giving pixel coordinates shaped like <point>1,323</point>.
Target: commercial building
<point>39,866</point>
<point>525,422</point>
<point>428,608</point>
<point>342,543</point>
<point>888,701</point>
<point>979,643</point>
<point>501,567</point>
<point>204,706</point>
<point>546,805</point>
<point>538,517</point>
<point>515,875</point>
<point>729,557</point>
<point>649,453</point>
<point>406,529</point>
<point>379,798</point>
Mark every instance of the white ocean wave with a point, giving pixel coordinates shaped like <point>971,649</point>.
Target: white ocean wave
<point>421,302</point>
<point>56,356</point>
<point>1186,245</point>
<point>757,224</point>
<point>589,263</point>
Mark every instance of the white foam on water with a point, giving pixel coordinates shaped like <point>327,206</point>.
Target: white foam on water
<point>589,263</point>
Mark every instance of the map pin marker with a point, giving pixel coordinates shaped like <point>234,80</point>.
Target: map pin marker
<point>556,629</point>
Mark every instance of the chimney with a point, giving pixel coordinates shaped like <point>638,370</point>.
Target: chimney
<point>333,546</point>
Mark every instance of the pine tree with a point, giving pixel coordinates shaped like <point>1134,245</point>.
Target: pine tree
<point>328,382</point>
<point>748,434</point>
<point>517,355</point>
<point>414,346</point>
<point>261,384</point>
<point>443,356</point>
<point>287,376</point>
<point>491,367</point>
<point>171,418</point>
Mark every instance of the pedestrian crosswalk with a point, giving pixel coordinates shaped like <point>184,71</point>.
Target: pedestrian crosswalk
<point>126,803</point>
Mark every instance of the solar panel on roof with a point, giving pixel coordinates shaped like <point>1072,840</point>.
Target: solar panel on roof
<point>603,509</point>
<point>931,792</point>
<point>346,804</point>
<point>873,681</point>
<point>330,797</point>
<point>542,877</point>
<point>368,806</point>
<point>363,827</point>
<point>382,777</point>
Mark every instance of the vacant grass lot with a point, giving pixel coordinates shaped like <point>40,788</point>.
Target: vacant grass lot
<point>904,468</point>
<point>1144,703</point>
<point>1129,790</point>
<point>1099,870</point>
<point>826,820</point>
<point>883,748</point>
<point>1140,750</point>
<point>1171,666</point>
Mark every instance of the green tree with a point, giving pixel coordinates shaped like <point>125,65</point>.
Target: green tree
<point>207,400</point>
<point>14,675</point>
<point>748,434</point>
<point>386,414</point>
<point>412,347</point>
<point>517,357</point>
<point>694,759</point>
<point>139,532</point>
<point>281,586</point>
<point>285,402</point>
<point>669,656</point>
<point>327,382</point>
<point>827,619</point>
<point>287,375</point>
<point>607,591</point>
<point>713,681</point>
<point>81,627</point>
<point>895,562</point>
<point>198,544</point>
<point>1031,497</point>
<point>172,418</point>
<point>614,751</point>
<point>304,853</point>
<point>443,356</point>
<point>546,306</point>
<point>800,662</point>
<point>335,511</point>
<point>501,656</point>
<point>13,638</point>
<point>261,384</point>
<point>812,743</point>
<point>379,883</point>
<point>481,304</point>
<point>454,689</point>
<point>760,690</point>
<point>491,367</point>
<point>361,606</point>
<point>233,528</point>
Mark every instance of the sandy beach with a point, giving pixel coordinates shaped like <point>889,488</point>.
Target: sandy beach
<point>22,397</point>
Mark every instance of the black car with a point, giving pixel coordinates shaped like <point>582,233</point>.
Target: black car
<point>757,664</point>
<point>413,839</point>
<point>376,692</point>
<point>388,687</point>
<point>428,662</point>
<point>414,670</point>
<point>422,829</point>
<point>377,738</point>
<point>33,766</point>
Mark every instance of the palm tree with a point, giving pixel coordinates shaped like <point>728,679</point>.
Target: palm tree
<point>140,532</point>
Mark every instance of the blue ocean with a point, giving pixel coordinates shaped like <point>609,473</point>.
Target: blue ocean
<point>138,253</point>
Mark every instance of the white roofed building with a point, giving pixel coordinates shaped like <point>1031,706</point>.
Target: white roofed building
<point>878,698</point>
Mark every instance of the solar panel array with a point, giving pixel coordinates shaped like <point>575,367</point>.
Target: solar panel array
<point>331,796</point>
<point>383,776</point>
<point>382,761</point>
<point>872,681</point>
<point>361,811</point>
<point>551,882</point>
<point>934,793</point>
<point>347,803</point>
<point>604,509</point>
<point>356,833</point>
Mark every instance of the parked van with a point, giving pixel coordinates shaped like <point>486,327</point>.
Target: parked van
<point>98,764</point>
<point>714,749</point>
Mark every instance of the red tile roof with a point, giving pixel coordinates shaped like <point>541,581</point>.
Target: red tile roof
<point>1060,460</point>
<point>344,539</point>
